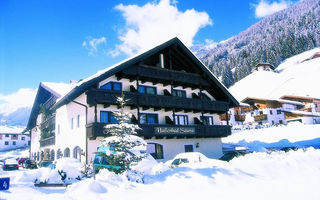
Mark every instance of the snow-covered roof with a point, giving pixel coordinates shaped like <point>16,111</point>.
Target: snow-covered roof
<point>295,77</point>
<point>304,113</point>
<point>58,89</point>
<point>87,81</point>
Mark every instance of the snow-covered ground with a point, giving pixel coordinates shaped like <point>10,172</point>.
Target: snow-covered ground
<point>293,135</point>
<point>258,175</point>
<point>279,175</point>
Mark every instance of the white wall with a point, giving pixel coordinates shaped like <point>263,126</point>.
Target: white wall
<point>211,147</point>
<point>19,142</point>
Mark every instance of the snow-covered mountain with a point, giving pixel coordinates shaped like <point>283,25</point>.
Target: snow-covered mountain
<point>298,75</point>
<point>273,39</point>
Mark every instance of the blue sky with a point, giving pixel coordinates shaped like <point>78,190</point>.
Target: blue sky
<point>60,40</point>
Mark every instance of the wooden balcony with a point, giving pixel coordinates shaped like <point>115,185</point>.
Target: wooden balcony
<point>260,117</point>
<point>247,109</point>
<point>48,141</point>
<point>48,127</point>
<point>223,117</point>
<point>162,75</point>
<point>240,118</point>
<point>99,96</point>
<point>165,130</point>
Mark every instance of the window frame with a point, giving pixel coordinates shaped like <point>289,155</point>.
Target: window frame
<point>207,117</point>
<point>177,119</point>
<point>175,92</point>
<point>149,114</point>
<point>146,87</point>
<point>78,121</point>
<point>109,117</point>
<point>157,154</point>
<point>104,86</point>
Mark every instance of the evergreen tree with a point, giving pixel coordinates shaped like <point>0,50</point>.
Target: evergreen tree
<point>124,145</point>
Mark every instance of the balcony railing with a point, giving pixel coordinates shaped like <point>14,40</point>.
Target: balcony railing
<point>151,73</point>
<point>164,130</point>
<point>99,96</point>
<point>260,117</point>
<point>48,141</point>
<point>48,127</point>
<point>240,118</point>
<point>247,109</point>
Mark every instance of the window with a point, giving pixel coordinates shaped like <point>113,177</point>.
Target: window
<point>71,123</point>
<point>22,138</point>
<point>147,89</point>
<point>155,150</point>
<point>181,120</point>
<point>280,121</point>
<point>252,114</point>
<point>107,117</point>
<point>261,112</point>
<point>6,143</point>
<point>278,112</point>
<point>146,118</point>
<point>272,122</point>
<point>14,143</point>
<point>7,135</point>
<point>271,112</point>
<point>179,93</point>
<point>78,121</point>
<point>207,120</point>
<point>188,148</point>
<point>115,86</point>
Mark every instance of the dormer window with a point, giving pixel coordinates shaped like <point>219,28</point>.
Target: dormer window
<point>114,86</point>
<point>179,93</point>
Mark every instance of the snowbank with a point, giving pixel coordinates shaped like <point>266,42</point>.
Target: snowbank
<point>295,135</point>
<point>277,175</point>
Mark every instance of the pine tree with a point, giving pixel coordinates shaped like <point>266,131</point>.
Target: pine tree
<point>123,142</point>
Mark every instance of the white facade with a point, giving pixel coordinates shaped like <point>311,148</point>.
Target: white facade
<point>10,141</point>
<point>73,137</point>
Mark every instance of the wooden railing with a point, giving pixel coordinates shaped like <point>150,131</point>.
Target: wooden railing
<point>260,117</point>
<point>99,96</point>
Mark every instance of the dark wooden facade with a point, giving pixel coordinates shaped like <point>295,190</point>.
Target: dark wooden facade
<point>168,131</point>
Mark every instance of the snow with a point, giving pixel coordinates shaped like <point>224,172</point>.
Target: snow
<point>59,89</point>
<point>276,175</point>
<point>296,76</point>
<point>258,175</point>
<point>11,129</point>
<point>294,135</point>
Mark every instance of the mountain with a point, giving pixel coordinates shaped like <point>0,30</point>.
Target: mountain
<point>273,39</point>
<point>17,118</point>
<point>297,76</point>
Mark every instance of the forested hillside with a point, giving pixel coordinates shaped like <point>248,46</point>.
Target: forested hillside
<point>273,39</point>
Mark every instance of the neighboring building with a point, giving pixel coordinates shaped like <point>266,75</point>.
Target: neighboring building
<point>263,67</point>
<point>308,114</point>
<point>173,97</point>
<point>11,138</point>
<point>236,116</point>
